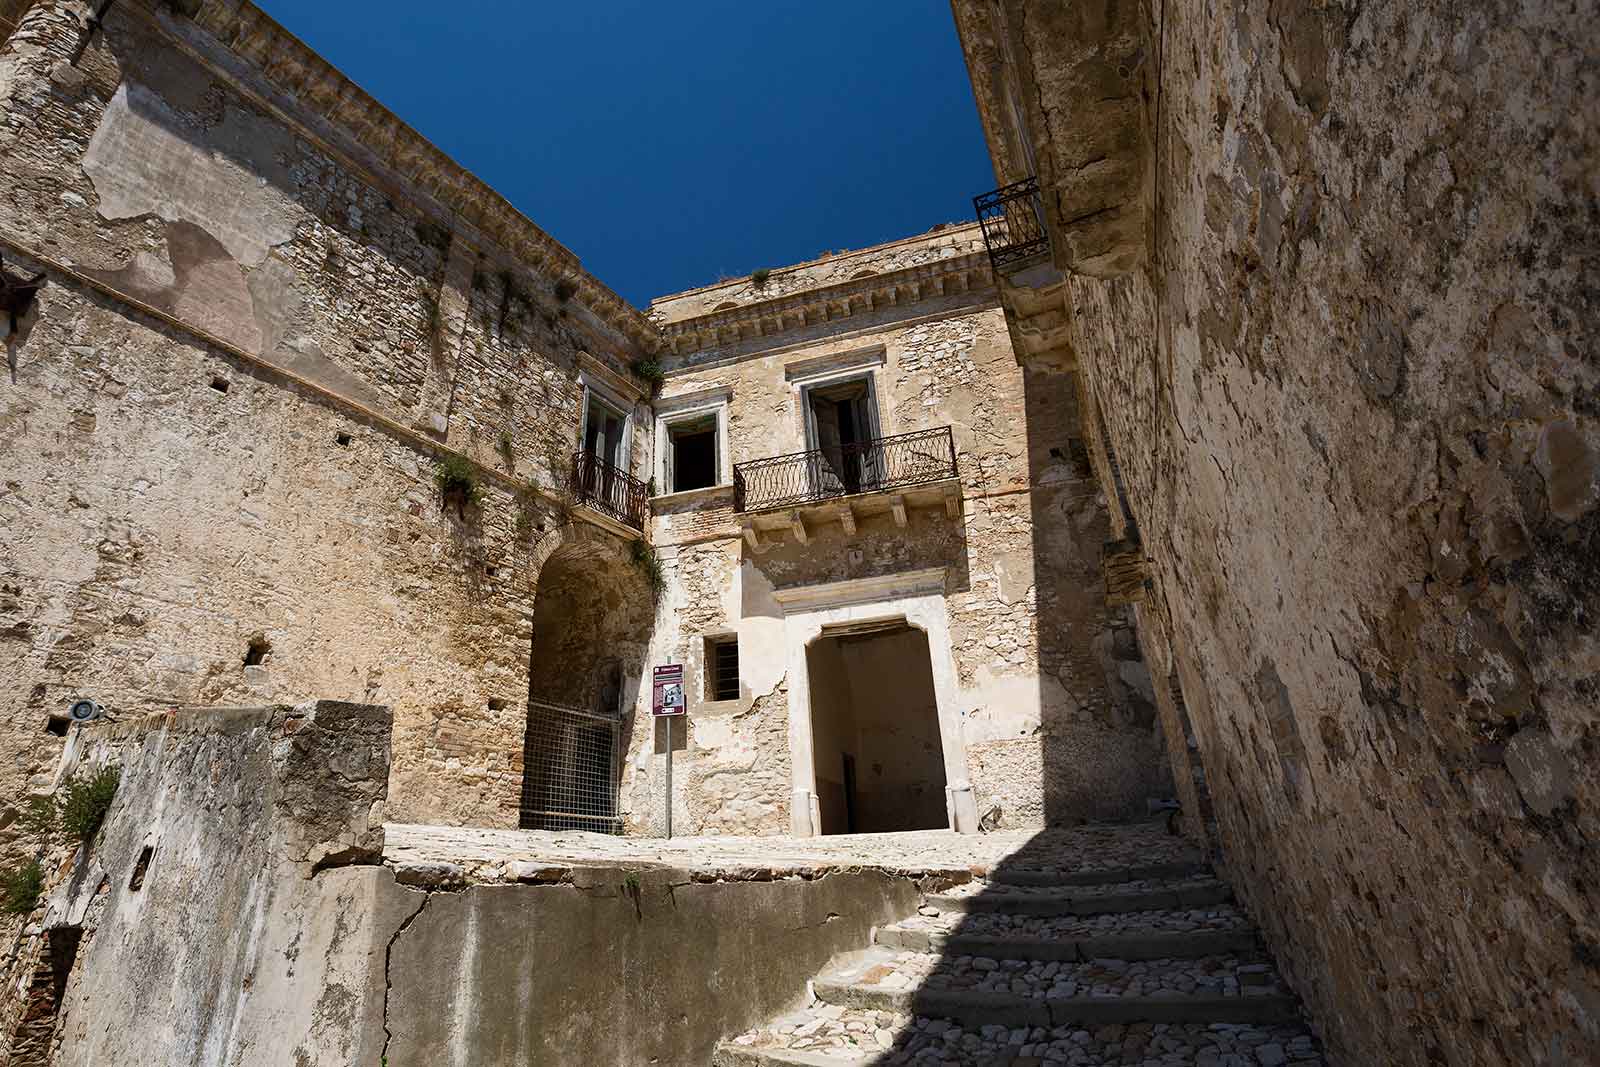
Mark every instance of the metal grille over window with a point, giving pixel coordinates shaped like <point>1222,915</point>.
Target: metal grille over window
<point>722,663</point>
<point>570,770</point>
<point>1013,225</point>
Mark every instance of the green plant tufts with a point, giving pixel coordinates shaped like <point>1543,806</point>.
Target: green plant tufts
<point>84,802</point>
<point>457,481</point>
<point>21,887</point>
<point>758,278</point>
<point>645,558</point>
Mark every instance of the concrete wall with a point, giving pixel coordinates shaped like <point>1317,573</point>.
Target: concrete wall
<point>1353,392</point>
<point>267,933</point>
<point>259,931</point>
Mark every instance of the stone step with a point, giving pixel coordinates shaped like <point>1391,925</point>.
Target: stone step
<point>1126,935</point>
<point>1151,945</point>
<point>1147,895</point>
<point>1036,876</point>
<point>829,1036</point>
<point>981,990</point>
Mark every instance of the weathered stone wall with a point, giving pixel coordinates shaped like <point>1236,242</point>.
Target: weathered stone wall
<point>225,412</point>
<point>1355,400</point>
<point>1057,713</point>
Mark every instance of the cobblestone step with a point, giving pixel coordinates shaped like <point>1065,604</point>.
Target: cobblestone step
<point>1090,900</point>
<point>985,990</point>
<point>1149,945</point>
<point>830,1036</point>
<point>1039,876</point>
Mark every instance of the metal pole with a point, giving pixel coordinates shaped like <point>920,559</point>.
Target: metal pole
<point>669,774</point>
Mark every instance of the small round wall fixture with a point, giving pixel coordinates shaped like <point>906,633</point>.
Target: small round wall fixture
<point>84,710</point>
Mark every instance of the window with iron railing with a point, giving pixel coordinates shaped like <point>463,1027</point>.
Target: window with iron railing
<point>608,489</point>
<point>896,462</point>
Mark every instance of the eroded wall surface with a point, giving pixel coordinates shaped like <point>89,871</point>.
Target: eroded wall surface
<point>1356,402</point>
<point>258,337</point>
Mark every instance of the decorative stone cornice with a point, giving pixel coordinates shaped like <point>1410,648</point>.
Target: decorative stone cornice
<point>306,91</point>
<point>773,318</point>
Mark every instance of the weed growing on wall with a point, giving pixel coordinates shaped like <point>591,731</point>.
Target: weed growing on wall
<point>759,278</point>
<point>566,289</point>
<point>457,481</point>
<point>84,802</point>
<point>645,558</point>
<point>20,888</point>
<point>76,810</point>
<point>648,371</point>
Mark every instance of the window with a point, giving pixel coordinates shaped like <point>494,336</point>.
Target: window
<point>841,419</point>
<point>692,453</point>
<point>722,667</point>
<point>604,431</point>
<point>692,440</point>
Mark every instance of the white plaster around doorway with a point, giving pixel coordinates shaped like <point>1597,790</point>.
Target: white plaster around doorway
<point>913,597</point>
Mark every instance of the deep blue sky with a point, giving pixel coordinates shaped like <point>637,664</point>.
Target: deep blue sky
<point>670,143</point>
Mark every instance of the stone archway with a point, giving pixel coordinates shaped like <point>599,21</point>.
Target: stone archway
<point>592,612</point>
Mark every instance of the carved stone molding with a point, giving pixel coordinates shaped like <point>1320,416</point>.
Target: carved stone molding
<point>776,317</point>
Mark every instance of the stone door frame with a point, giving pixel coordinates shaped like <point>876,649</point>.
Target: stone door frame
<point>913,597</point>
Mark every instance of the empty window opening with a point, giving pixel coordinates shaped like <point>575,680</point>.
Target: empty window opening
<point>876,745</point>
<point>136,880</point>
<point>841,420</point>
<point>343,439</point>
<point>220,384</point>
<point>722,668</point>
<point>692,454</point>
<point>57,725</point>
<point>257,651</point>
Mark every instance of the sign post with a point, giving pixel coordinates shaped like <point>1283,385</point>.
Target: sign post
<point>667,703</point>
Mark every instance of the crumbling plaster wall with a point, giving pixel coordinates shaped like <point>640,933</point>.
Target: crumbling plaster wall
<point>1058,717</point>
<point>224,416</point>
<point>1357,405</point>
<point>256,930</point>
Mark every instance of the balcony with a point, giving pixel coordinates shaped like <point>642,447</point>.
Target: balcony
<point>852,480</point>
<point>1013,225</point>
<point>609,490</point>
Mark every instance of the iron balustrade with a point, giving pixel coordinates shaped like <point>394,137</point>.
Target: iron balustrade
<point>896,462</point>
<point>1013,224</point>
<point>609,489</point>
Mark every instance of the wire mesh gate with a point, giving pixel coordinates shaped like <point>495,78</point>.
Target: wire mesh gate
<point>569,778</point>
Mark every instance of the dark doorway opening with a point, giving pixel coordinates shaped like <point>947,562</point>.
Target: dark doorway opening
<point>878,753</point>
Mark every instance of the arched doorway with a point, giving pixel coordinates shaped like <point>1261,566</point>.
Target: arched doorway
<point>878,752</point>
<point>592,614</point>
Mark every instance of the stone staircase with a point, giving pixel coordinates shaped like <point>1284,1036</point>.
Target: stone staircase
<point>1151,966</point>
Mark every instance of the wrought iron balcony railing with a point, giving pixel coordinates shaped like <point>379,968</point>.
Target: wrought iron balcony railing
<point>608,489</point>
<point>906,459</point>
<point>1013,225</point>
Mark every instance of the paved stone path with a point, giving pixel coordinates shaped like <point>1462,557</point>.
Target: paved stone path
<point>1139,961</point>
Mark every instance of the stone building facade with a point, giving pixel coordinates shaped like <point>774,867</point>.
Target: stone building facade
<point>1325,273</point>
<point>848,448</point>
<point>296,408</point>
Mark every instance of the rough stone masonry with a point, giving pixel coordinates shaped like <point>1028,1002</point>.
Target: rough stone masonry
<point>1275,454</point>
